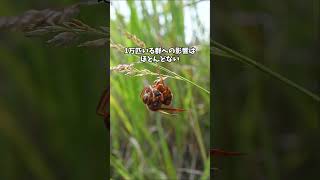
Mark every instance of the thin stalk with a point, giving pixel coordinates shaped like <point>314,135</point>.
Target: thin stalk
<point>90,30</point>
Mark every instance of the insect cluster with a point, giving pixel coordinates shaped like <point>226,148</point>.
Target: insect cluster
<point>156,95</point>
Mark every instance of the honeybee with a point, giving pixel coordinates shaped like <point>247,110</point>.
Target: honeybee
<point>157,95</point>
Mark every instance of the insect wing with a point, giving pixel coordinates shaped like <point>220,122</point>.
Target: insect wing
<point>218,152</point>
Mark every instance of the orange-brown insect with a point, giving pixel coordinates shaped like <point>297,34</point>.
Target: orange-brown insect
<point>102,108</point>
<point>157,95</point>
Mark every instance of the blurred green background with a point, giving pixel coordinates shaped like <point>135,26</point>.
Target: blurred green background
<point>48,97</point>
<point>274,124</point>
<point>151,145</point>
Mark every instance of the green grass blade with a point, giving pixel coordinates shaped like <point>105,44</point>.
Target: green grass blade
<point>238,56</point>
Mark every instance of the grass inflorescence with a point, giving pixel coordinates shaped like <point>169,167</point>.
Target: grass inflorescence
<point>152,145</point>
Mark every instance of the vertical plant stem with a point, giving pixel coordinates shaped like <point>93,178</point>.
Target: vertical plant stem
<point>165,151</point>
